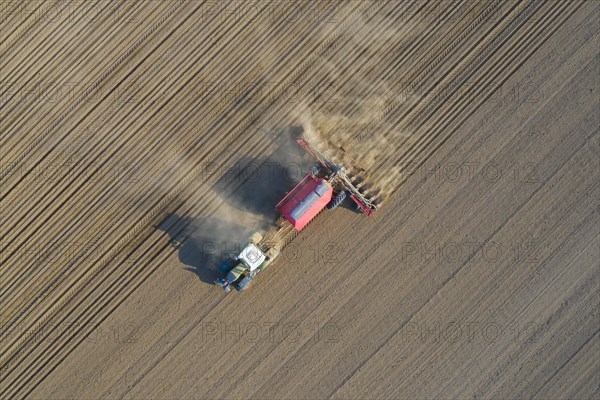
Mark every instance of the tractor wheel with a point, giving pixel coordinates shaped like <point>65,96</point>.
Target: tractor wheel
<point>337,200</point>
<point>225,267</point>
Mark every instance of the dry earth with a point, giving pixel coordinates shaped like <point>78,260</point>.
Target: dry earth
<point>142,141</point>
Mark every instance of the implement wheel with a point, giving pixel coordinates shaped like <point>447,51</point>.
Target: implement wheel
<point>337,200</point>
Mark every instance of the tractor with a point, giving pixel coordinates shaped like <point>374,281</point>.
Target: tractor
<point>325,186</point>
<point>239,271</point>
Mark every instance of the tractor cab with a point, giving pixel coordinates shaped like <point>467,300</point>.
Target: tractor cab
<point>252,256</point>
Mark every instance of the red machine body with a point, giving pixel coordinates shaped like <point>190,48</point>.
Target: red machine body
<point>305,201</point>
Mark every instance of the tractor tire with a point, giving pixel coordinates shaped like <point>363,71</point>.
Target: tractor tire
<point>337,200</point>
<point>225,267</point>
